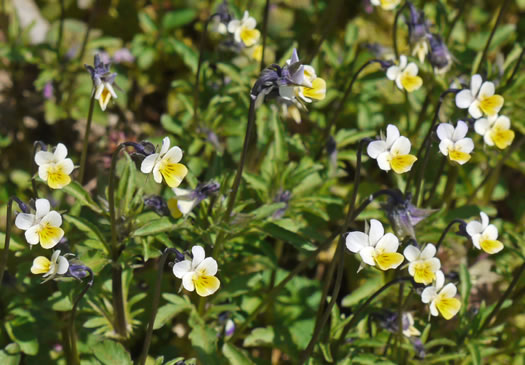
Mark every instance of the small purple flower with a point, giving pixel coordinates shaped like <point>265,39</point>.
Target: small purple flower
<point>103,81</point>
<point>123,55</point>
<point>417,25</point>
<point>439,57</point>
<point>283,196</point>
<point>48,90</point>
<point>79,271</point>
<point>157,204</point>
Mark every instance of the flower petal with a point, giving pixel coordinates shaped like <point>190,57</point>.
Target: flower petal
<point>42,208</point>
<point>181,268</point>
<point>356,241</point>
<point>173,173</point>
<point>392,72</point>
<point>460,132</point>
<point>411,253</point>
<point>402,163</point>
<point>482,125</point>
<point>445,146</point>
<point>445,131</point>
<point>375,232</point>
<point>148,163</point>
<point>475,83</point>
<point>484,219</point>
<point>401,146</point>
<point>474,110</point>
<point>44,157</point>
<point>391,260</point>
<point>174,155</point>
<point>206,285</point>
<point>491,246</point>
<point>464,99</point>
<point>428,294</point>
<point>474,228</point>
<point>66,165</point>
<point>165,146</point>
<point>486,90</point>
<point>24,221</point>
<point>62,265</point>
<point>465,145</point>
<point>392,135</point>
<point>41,265</point>
<point>448,307</point>
<point>367,255</point>
<point>208,267</point>
<point>428,252</point>
<point>375,148</point>
<point>49,236</point>
<point>53,218</point>
<point>187,281</point>
<point>440,280</point>
<point>198,256</point>
<point>32,235</point>
<point>449,290</point>
<point>60,152</point>
<point>157,176</point>
<point>388,243</point>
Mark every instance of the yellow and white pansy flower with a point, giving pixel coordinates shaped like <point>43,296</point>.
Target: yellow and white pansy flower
<point>495,131</point>
<point>386,4</point>
<point>453,143</point>
<point>375,247</point>
<point>42,227</point>
<point>244,30</point>
<point>408,326</point>
<point>311,87</point>
<point>54,168</point>
<point>480,99</point>
<point>183,202</point>
<point>199,273</point>
<point>392,152</point>
<point>484,235</point>
<point>422,264</point>
<point>441,298</point>
<point>103,93</point>
<point>405,75</point>
<point>58,265</point>
<point>165,164</point>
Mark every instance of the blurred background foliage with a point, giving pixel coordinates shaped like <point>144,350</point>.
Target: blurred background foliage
<point>154,48</point>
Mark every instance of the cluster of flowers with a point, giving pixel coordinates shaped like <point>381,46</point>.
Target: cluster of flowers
<point>379,249</point>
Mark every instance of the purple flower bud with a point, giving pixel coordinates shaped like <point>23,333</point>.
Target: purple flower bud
<point>144,148</point>
<point>417,25</point>
<point>283,196</point>
<point>157,204</point>
<point>23,206</point>
<point>439,56</point>
<point>100,71</point>
<point>48,90</point>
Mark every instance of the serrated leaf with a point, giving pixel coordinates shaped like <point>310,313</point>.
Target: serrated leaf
<point>111,352</point>
<point>260,337</point>
<point>155,226</point>
<point>235,355</point>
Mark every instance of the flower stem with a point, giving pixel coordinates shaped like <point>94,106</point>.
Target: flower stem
<point>83,157</point>
<point>502,299</point>
<point>452,178</point>
<point>264,32</point>
<point>356,314</point>
<point>339,258</point>
<point>346,94</point>
<point>116,282</point>
<point>515,70</point>
<point>455,20</point>
<point>5,252</point>
<point>489,40</point>
<point>155,305</point>
<point>75,360</point>
<point>441,168</point>
<point>394,33</point>
<point>450,225</point>
<point>35,169</point>
<point>60,28</point>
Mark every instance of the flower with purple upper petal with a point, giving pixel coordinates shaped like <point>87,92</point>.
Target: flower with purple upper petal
<point>103,81</point>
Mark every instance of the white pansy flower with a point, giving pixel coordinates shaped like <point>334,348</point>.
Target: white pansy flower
<point>375,247</point>
<point>104,92</point>
<point>58,265</point>
<point>165,164</point>
<point>405,75</point>
<point>309,85</point>
<point>386,4</point>
<point>54,168</point>
<point>484,235</point>
<point>422,264</point>
<point>244,30</point>
<point>495,131</point>
<point>199,273</point>
<point>480,98</point>
<point>42,227</point>
<point>453,143</point>
<point>392,152</point>
<point>441,298</point>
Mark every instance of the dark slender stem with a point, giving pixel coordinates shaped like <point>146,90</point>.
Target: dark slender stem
<point>356,314</point>
<point>502,299</point>
<point>346,94</point>
<point>452,177</point>
<point>516,68</point>
<point>264,32</point>
<point>116,283</point>
<point>449,227</point>
<point>339,258</point>
<point>455,20</point>
<point>83,156</point>
<point>75,360</point>
<point>35,169</point>
<point>196,89</point>
<point>5,252</point>
<point>154,305</point>
<point>487,45</point>
<point>427,143</point>
<point>500,163</point>
<point>399,321</point>
<point>88,30</point>
<point>60,28</point>
<point>394,33</point>
<point>326,23</point>
<point>436,180</point>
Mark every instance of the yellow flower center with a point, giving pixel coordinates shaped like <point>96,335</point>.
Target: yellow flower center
<point>502,137</point>
<point>402,163</point>
<point>491,105</point>
<point>490,246</point>
<point>173,173</point>
<point>458,156</point>
<point>317,91</point>
<point>205,284</point>
<point>448,307</point>
<point>387,260</point>
<point>41,265</point>
<point>49,235</point>
<point>250,36</point>
<point>423,273</point>
<point>411,83</point>
<point>56,177</point>
<point>174,208</point>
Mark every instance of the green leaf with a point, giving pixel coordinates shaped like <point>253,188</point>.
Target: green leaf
<point>111,352</point>
<point>60,302</point>
<point>235,355</point>
<point>10,355</point>
<point>260,337</point>
<point>474,353</point>
<point>21,331</point>
<point>189,56</point>
<point>86,226</point>
<point>465,287</point>
<point>178,18</point>
<point>155,226</point>
<point>146,23</point>
<point>167,312</point>
<point>288,236</point>
<point>204,342</point>
<point>77,191</point>
<point>365,290</point>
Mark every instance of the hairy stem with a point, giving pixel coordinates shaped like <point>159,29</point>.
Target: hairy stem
<point>75,359</point>
<point>116,283</point>
<point>493,31</point>
<point>83,156</point>
<point>155,305</point>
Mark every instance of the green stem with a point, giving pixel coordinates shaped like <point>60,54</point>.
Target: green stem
<point>116,283</point>
<point>455,20</point>
<point>505,295</point>
<point>60,28</point>
<point>83,157</point>
<point>433,189</point>
<point>155,305</point>
<point>238,175</point>
<point>394,33</point>
<point>339,258</point>
<point>486,49</point>
<point>449,227</point>
<point>5,252</point>
<point>35,169</point>
<point>515,70</point>
<point>198,73</point>
<point>448,194</point>
<point>75,359</point>
<point>264,32</point>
